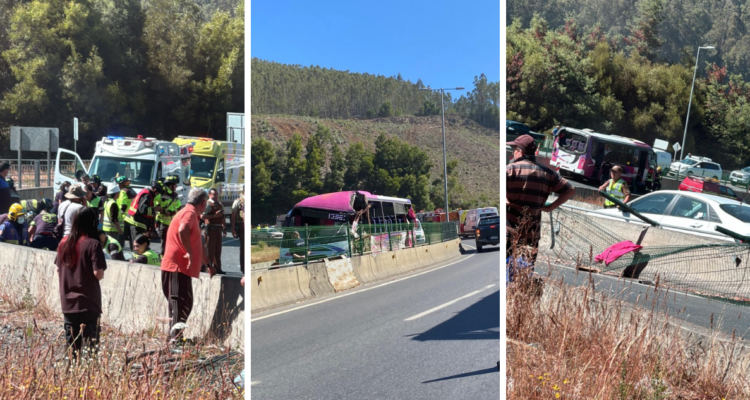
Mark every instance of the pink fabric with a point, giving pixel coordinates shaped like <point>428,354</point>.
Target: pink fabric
<point>617,250</point>
<point>339,201</point>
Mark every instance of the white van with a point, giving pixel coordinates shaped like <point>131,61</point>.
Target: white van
<point>472,220</point>
<point>142,160</point>
<point>663,160</point>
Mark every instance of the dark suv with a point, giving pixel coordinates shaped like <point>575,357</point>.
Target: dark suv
<point>488,232</point>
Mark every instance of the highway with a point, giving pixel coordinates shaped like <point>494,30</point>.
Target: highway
<point>688,308</point>
<point>433,334</point>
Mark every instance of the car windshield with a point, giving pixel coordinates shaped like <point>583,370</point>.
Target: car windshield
<point>689,161</point>
<point>746,169</point>
<point>738,211</point>
<point>203,167</point>
<point>489,221</point>
<point>140,172</point>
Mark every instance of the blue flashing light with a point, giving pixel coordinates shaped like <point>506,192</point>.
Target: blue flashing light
<point>161,150</point>
<point>115,137</point>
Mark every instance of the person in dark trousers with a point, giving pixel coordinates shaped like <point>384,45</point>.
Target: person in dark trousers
<point>5,198</point>
<point>60,196</point>
<point>238,225</point>
<point>42,231</point>
<point>143,253</point>
<point>216,229</point>
<point>529,184</point>
<point>111,246</point>
<point>183,260</point>
<point>112,218</point>
<point>80,265</point>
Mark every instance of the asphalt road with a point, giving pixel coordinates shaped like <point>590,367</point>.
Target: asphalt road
<point>692,309</point>
<point>230,254</point>
<point>433,334</point>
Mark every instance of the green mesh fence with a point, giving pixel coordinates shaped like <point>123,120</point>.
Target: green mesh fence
<point>719,269</point>
<point>313,243</point>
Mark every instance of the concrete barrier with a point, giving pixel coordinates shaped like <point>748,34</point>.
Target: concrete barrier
<point>37,193</point>
<point>287,285</point>
<point>340,274</point>
<point>132,298</point>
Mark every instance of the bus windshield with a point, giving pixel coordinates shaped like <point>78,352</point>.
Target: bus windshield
<point>140,172</point>
<point>203,167</point>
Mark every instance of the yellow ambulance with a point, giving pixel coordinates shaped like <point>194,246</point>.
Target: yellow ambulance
<point>216,164</point>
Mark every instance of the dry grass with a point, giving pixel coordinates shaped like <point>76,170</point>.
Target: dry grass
<point>35,361</point>
<point>576,343</point>
<point>261,253</point>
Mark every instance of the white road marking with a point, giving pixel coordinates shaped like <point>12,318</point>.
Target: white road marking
<point>432,310</point>
<point>471,247</point>
<point>253,383</point>
<point>358,291</point>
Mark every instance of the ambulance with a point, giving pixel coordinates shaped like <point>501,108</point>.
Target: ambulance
<point>216,165</point>
<point>142,160</point>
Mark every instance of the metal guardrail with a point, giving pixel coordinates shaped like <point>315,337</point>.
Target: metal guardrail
<point>36,173</point>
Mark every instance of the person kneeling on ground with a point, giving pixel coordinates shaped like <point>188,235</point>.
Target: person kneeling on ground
<point>15,229</point>
<point>42,230</point>
<point>80,266</point>
<point>143,254</point>
<point>111,246</point>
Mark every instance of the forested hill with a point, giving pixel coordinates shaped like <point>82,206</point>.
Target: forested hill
<point>295,156</point>
<point>154,67</point>
<point>626,68</point>
<point>328,93</point>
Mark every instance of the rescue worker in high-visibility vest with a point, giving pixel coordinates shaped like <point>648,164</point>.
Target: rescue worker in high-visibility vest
<point>657,179</point>
<point>113,222</point>
<point>99,189</point>
<point>616,187</point>
<point>141,214</point>
<point>111,246</point>
<point>15,230</point>
<point>31,208</point>
<point>95,202</point>
<point>142,254</point>
<point>170,204</point>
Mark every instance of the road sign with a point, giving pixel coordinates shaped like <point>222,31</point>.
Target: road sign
<point>676,147</point>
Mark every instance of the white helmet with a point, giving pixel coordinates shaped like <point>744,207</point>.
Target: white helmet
<point>113,190</point>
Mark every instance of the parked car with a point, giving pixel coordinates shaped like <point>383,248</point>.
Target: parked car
<point>696,166</point>
<point>708,186</point>
<point>267,233</point>
<point>740,176</point>
<point>687,212</point>
<point>488,232</point>
<point>418,232</point>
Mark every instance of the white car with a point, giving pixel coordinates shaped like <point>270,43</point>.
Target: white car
<point>687,212</point>
<point>696,166</point>
<point>740,176</point>
<point>419,232</point>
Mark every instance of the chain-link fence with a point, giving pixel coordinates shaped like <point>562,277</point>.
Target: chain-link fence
<point>305,244</point>
<point>719,270</point>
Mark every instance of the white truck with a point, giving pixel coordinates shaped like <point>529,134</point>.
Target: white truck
<point>142,160</point>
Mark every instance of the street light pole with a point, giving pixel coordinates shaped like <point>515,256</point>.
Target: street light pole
<point>445,157</point>
<point>445,160</point>
<point>690,101</point>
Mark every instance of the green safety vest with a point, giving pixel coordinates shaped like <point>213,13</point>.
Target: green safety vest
<point>171,205</point>
<point>111,240</point>
<point>95,203</point>
<point>107,224</point>
<point>29,205</point>
<point>615,190</point>
<point>153,257</point>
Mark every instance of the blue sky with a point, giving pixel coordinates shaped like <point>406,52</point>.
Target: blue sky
<point>444,43</point>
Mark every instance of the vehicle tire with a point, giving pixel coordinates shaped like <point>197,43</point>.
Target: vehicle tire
<point>479,248</point>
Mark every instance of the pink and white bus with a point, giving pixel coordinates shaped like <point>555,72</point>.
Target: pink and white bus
<point>591,155</point>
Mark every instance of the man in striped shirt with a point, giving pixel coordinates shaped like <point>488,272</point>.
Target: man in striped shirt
<point>528,185</point>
